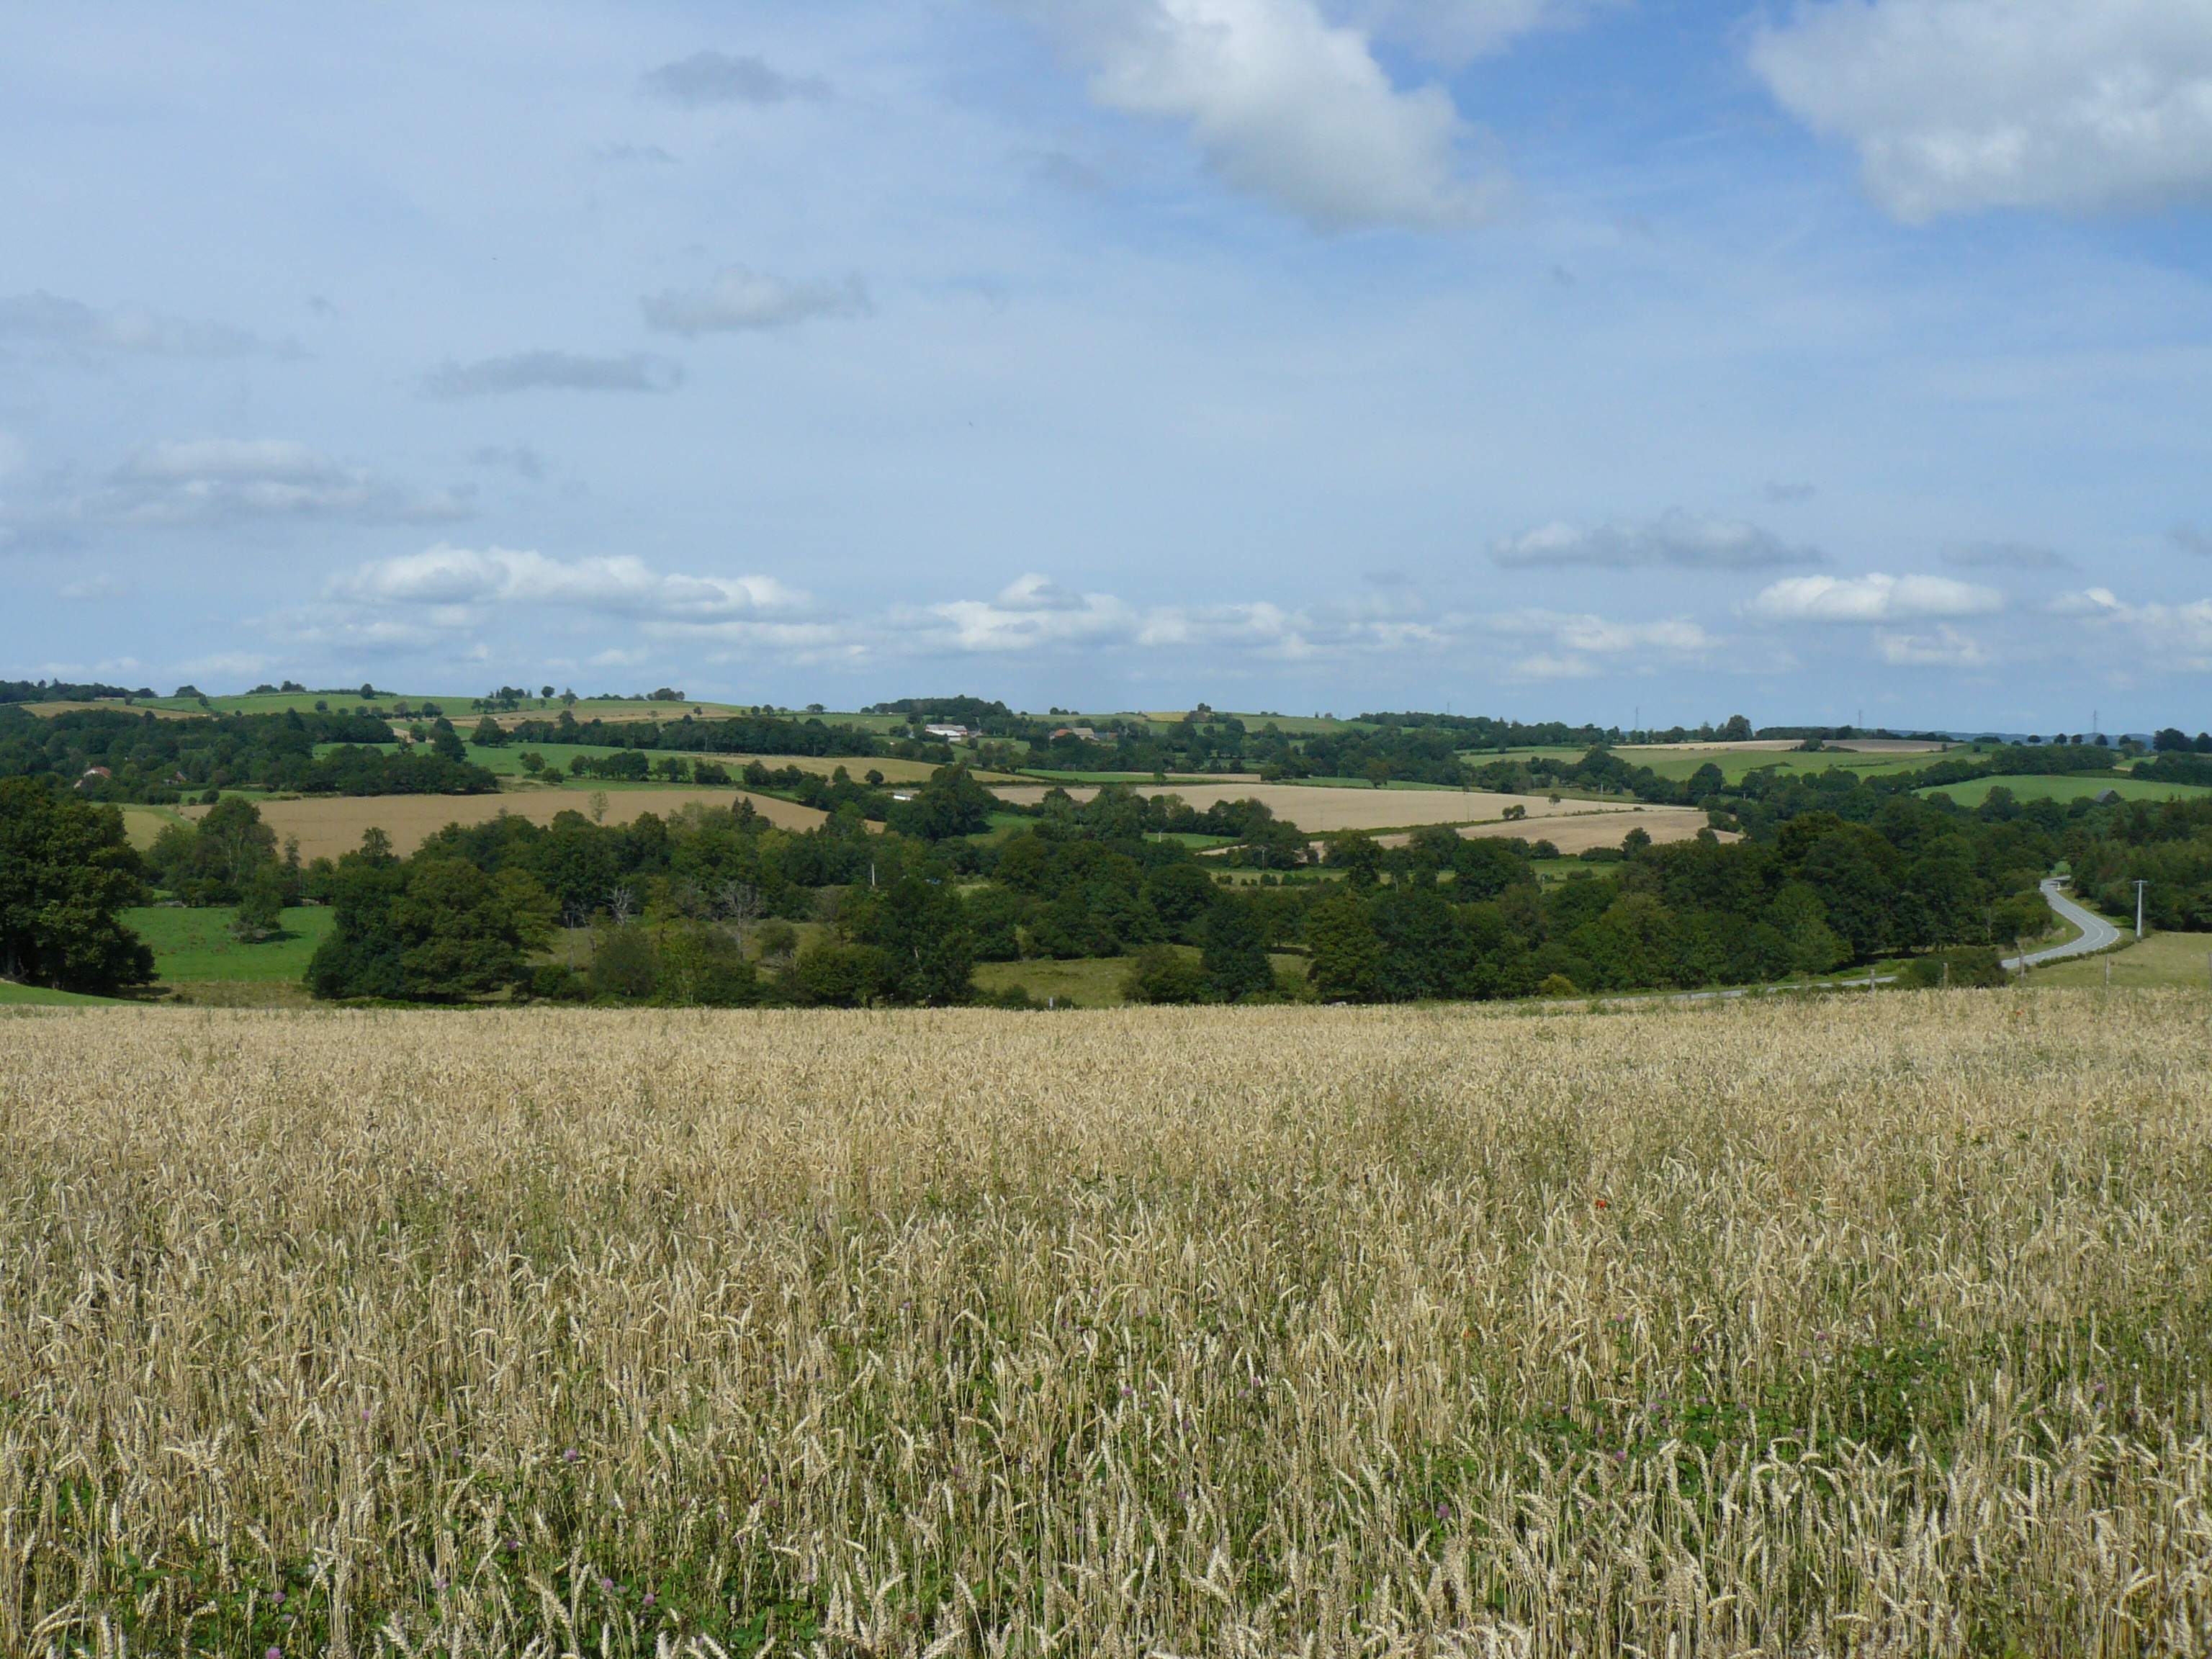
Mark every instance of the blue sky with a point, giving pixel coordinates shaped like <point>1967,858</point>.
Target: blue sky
<point>1530,357</point>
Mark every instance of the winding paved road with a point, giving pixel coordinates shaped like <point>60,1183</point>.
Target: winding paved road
<point>2097,933</point>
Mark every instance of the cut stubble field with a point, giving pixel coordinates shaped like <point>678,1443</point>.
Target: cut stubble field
<point>327,826</point>
<point>1324,810</point>
<point>1861,1325</point>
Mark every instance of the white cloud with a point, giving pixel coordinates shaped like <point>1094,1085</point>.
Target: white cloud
<point>43,319</point>
<point>1576,642</point>
<point>443,595</point>
<point>526,370</point>
<point>1946,648</point>
<point>227,480</point>
<point>1874,598</point>
<point>1457,31</point>
<point>1034,613</point>
<point>2173,638</point>
<point>1282,104</point>
<point>739,299</point>
<point>714,77</point>
<point>1960,105</point>
<point>461,582</point>
<point>1030,612</point>
<point>1675,538</point>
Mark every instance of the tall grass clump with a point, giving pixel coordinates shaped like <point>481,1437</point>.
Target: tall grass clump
<point>1877,1325</point>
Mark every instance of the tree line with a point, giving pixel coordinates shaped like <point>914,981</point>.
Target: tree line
<point>122,756</point>
<point>716,905</point>
<point>677,907</point>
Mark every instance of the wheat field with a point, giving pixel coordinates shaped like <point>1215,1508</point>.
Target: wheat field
<point>1876,1325</point>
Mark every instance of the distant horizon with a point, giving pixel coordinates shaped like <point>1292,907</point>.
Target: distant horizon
<point>466,703</point>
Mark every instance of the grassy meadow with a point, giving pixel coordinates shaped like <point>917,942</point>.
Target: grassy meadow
<point>198,944</point>
<point>2157,960</point>
<point>1975,791</point>
<point>1861,1326</point>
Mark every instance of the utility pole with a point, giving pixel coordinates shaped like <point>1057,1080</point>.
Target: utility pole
<point>2139,887</point>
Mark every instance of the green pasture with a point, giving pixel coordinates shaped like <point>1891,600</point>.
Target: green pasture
<point>196,944</point>
<point>1737,765</point>
<point>38,996</point>
<point>2158,960</point>
<point>1088,981</point>
<point>1975,790</point>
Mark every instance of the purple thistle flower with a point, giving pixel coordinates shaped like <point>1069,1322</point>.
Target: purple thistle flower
<point>648,1598</point>
<point>572,1453</point>
<point>274,1653</point>
<point>607,1585</point>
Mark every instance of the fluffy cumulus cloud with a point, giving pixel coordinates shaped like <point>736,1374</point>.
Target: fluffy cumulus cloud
<point>1944,648</point>
<point>1034,614</point>
<point>2166,638</point>
<point>1874,598</point>
<point>526,371</point>
<point>204,481</point>
<point>1457,31</point>
<point>459,578</point>
<point>1676,538</point>
<point>1570,646</point>
<point>1026,614</point>
<point>1282,103</point>
<point>741,299</point>
<point>714,77</point>
<point>45,319</point>
<point>1957,105</point>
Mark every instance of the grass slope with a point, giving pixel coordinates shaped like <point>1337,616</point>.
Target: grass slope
<point>38,996</point>
<point>1974,792</point>
<point>197,944</point>
<point>1088,981</point>
<point>2159,960</point>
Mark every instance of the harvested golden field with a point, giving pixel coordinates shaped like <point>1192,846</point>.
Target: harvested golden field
<point>66,707</point>
<point>327,826</point>
<point>1584,830</point>
<point>1323,809</point>
<point>1870,1326</point>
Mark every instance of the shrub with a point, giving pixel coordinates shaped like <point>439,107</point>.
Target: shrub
<point>1961,965</point>
<point>1162,974</point>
